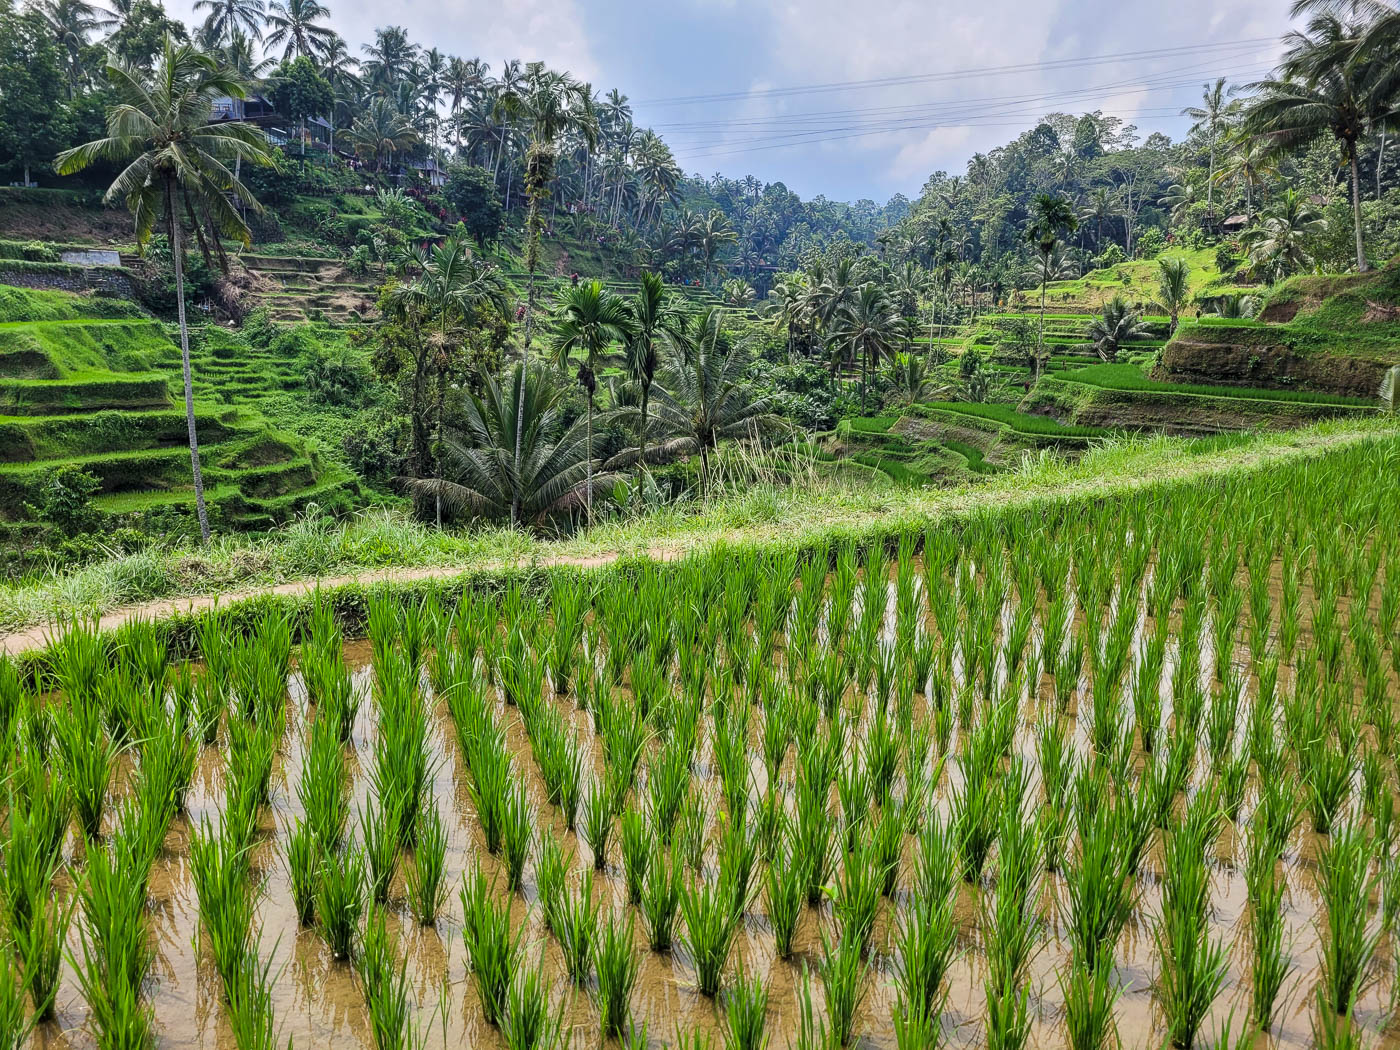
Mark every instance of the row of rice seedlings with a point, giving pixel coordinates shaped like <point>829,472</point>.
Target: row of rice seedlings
<point>492,951</point>
<point>383,978</point>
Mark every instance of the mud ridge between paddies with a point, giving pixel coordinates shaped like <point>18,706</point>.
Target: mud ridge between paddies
<point>1150,463</point>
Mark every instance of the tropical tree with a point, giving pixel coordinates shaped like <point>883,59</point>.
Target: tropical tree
<point>738,293</point>
<point>1326,88</point>
<point>655,327</point>
<point>910,377</point>
<point>381,131</point>
<point>1051,217</point>
<point>1209,117</point>
<point>702,397</point>
<point>870,328</point>
<point>1278,246</point>
<point>453,290</point>
<point>550,104</point>
<point>591,320</point>
<point>1174,285</point>
<point>1118,324</point>
<point>69,23</point>
<point>229,16</point>
<point>161,128</point>
<point>494,477</point>
<point>295,27</point>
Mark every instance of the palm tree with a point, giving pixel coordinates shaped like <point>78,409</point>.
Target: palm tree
<point>1118,324</point>
<point>911,378</point>
<point>1248,161</point>
<point>1209,116</point>
<point>161,129</point>
<point>869,327</point>
<point>655,325</point>
<point>518,470</point>
<point>715,232</point>
<point>550,104</point>
<point>462,80</point>
<point>738,293</point>
<point>70,22</point>
<point>227,16</point>
<point>381,131</point>
<point>590,321</point>
<point>1278,246</point>
<point>1051,216</point>
<point>702,396</point>
<point>295,28</point>
<point>453,288</point>
<point>1174,287</point>
<point>1322,91</point>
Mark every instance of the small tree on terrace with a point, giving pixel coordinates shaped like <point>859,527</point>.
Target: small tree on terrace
<point>175,157</point>
<point>1174,288</point>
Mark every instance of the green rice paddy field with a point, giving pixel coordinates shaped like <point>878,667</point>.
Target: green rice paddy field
<point>1100,772</point>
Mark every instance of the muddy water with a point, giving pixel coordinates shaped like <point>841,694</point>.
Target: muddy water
<point>318,1002</point>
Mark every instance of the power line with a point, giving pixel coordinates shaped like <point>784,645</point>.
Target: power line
<point>991,117</point>
<point>984,71</point>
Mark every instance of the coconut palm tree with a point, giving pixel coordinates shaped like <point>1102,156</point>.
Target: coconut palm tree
<point>738,293</point>
<point>295,28</point>
<point>1210,116</point>
<point>702,397</point>
<point>716,232</point>
<point>494,477</point>
<point>591,320</point>
<point>1278,245</point>
<point>227,16</point>
<point>1118,324</point>
<point>381,131</point>
<point>1325,89</point>
<point>160,127</point>
<point>870,328</point>
<point>1248,162</point>
<point>1051,217</point>
<point>462,80</point>
<point>1174,285</point>
<point>70,22</point>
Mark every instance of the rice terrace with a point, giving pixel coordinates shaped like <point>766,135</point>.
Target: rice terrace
<point>469,580</point>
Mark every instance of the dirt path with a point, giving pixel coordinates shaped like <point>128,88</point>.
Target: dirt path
<point>37,636</point>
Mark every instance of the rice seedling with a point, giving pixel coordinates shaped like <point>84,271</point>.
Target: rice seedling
<point>379,831</point>
<point>856,898</point>
<point>637,840</point>
<point>745,1013</point>
<point>86,755</point>
<point>528,1022</point>
<point>39,945</point>
<point>252,753</point>
<point>517,831</point>
<point>1269,961</point>
<point>1345,883</point>
<point>1008,1024</point>
<point>303,859</point>
<point>617,965</point>
<point>576,926</point>
<point>340,898</point>
<point>661,896</point>
<point>493,953</point>
<point>597,821</point>
<point>249,1004</point>
<point>321,789</point>
<point>1192,965</point>
<point>711,923</point>
<point>843,972</point>
<point>222,881</point>
<point>1100,885</point>
<point>15,1027</point>
<point>1012,918</point>
<point>425,877</point>
<point>1326,772</point>
<point>115,949</point>
<point>384,978</point>
<point>1089,998</point>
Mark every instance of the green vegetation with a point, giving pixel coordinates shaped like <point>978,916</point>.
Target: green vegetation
<point>1130,377</point>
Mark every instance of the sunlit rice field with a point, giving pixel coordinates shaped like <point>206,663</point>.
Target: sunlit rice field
<point>1120,770</point>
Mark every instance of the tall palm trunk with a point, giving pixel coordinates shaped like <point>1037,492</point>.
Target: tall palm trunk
<point>177,257</point>
<point>1040,334</point>
<point>537,169</point>
<point>1361,265</point>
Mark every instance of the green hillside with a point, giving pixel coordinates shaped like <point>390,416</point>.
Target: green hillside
<point>84,389</point>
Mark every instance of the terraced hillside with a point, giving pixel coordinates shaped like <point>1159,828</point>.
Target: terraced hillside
<point>942,442</point>
<point>1124,396</point>
<point>89,382</point>
<point>1334,334</point>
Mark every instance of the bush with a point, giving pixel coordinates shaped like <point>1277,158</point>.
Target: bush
<point>62,498</point>
<point>472,192</point>
<point>1151,243</point>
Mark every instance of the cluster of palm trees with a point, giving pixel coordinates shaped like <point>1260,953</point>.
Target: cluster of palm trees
<point>674,381</point>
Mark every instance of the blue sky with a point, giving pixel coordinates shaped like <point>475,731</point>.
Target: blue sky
<point>957,77</point>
